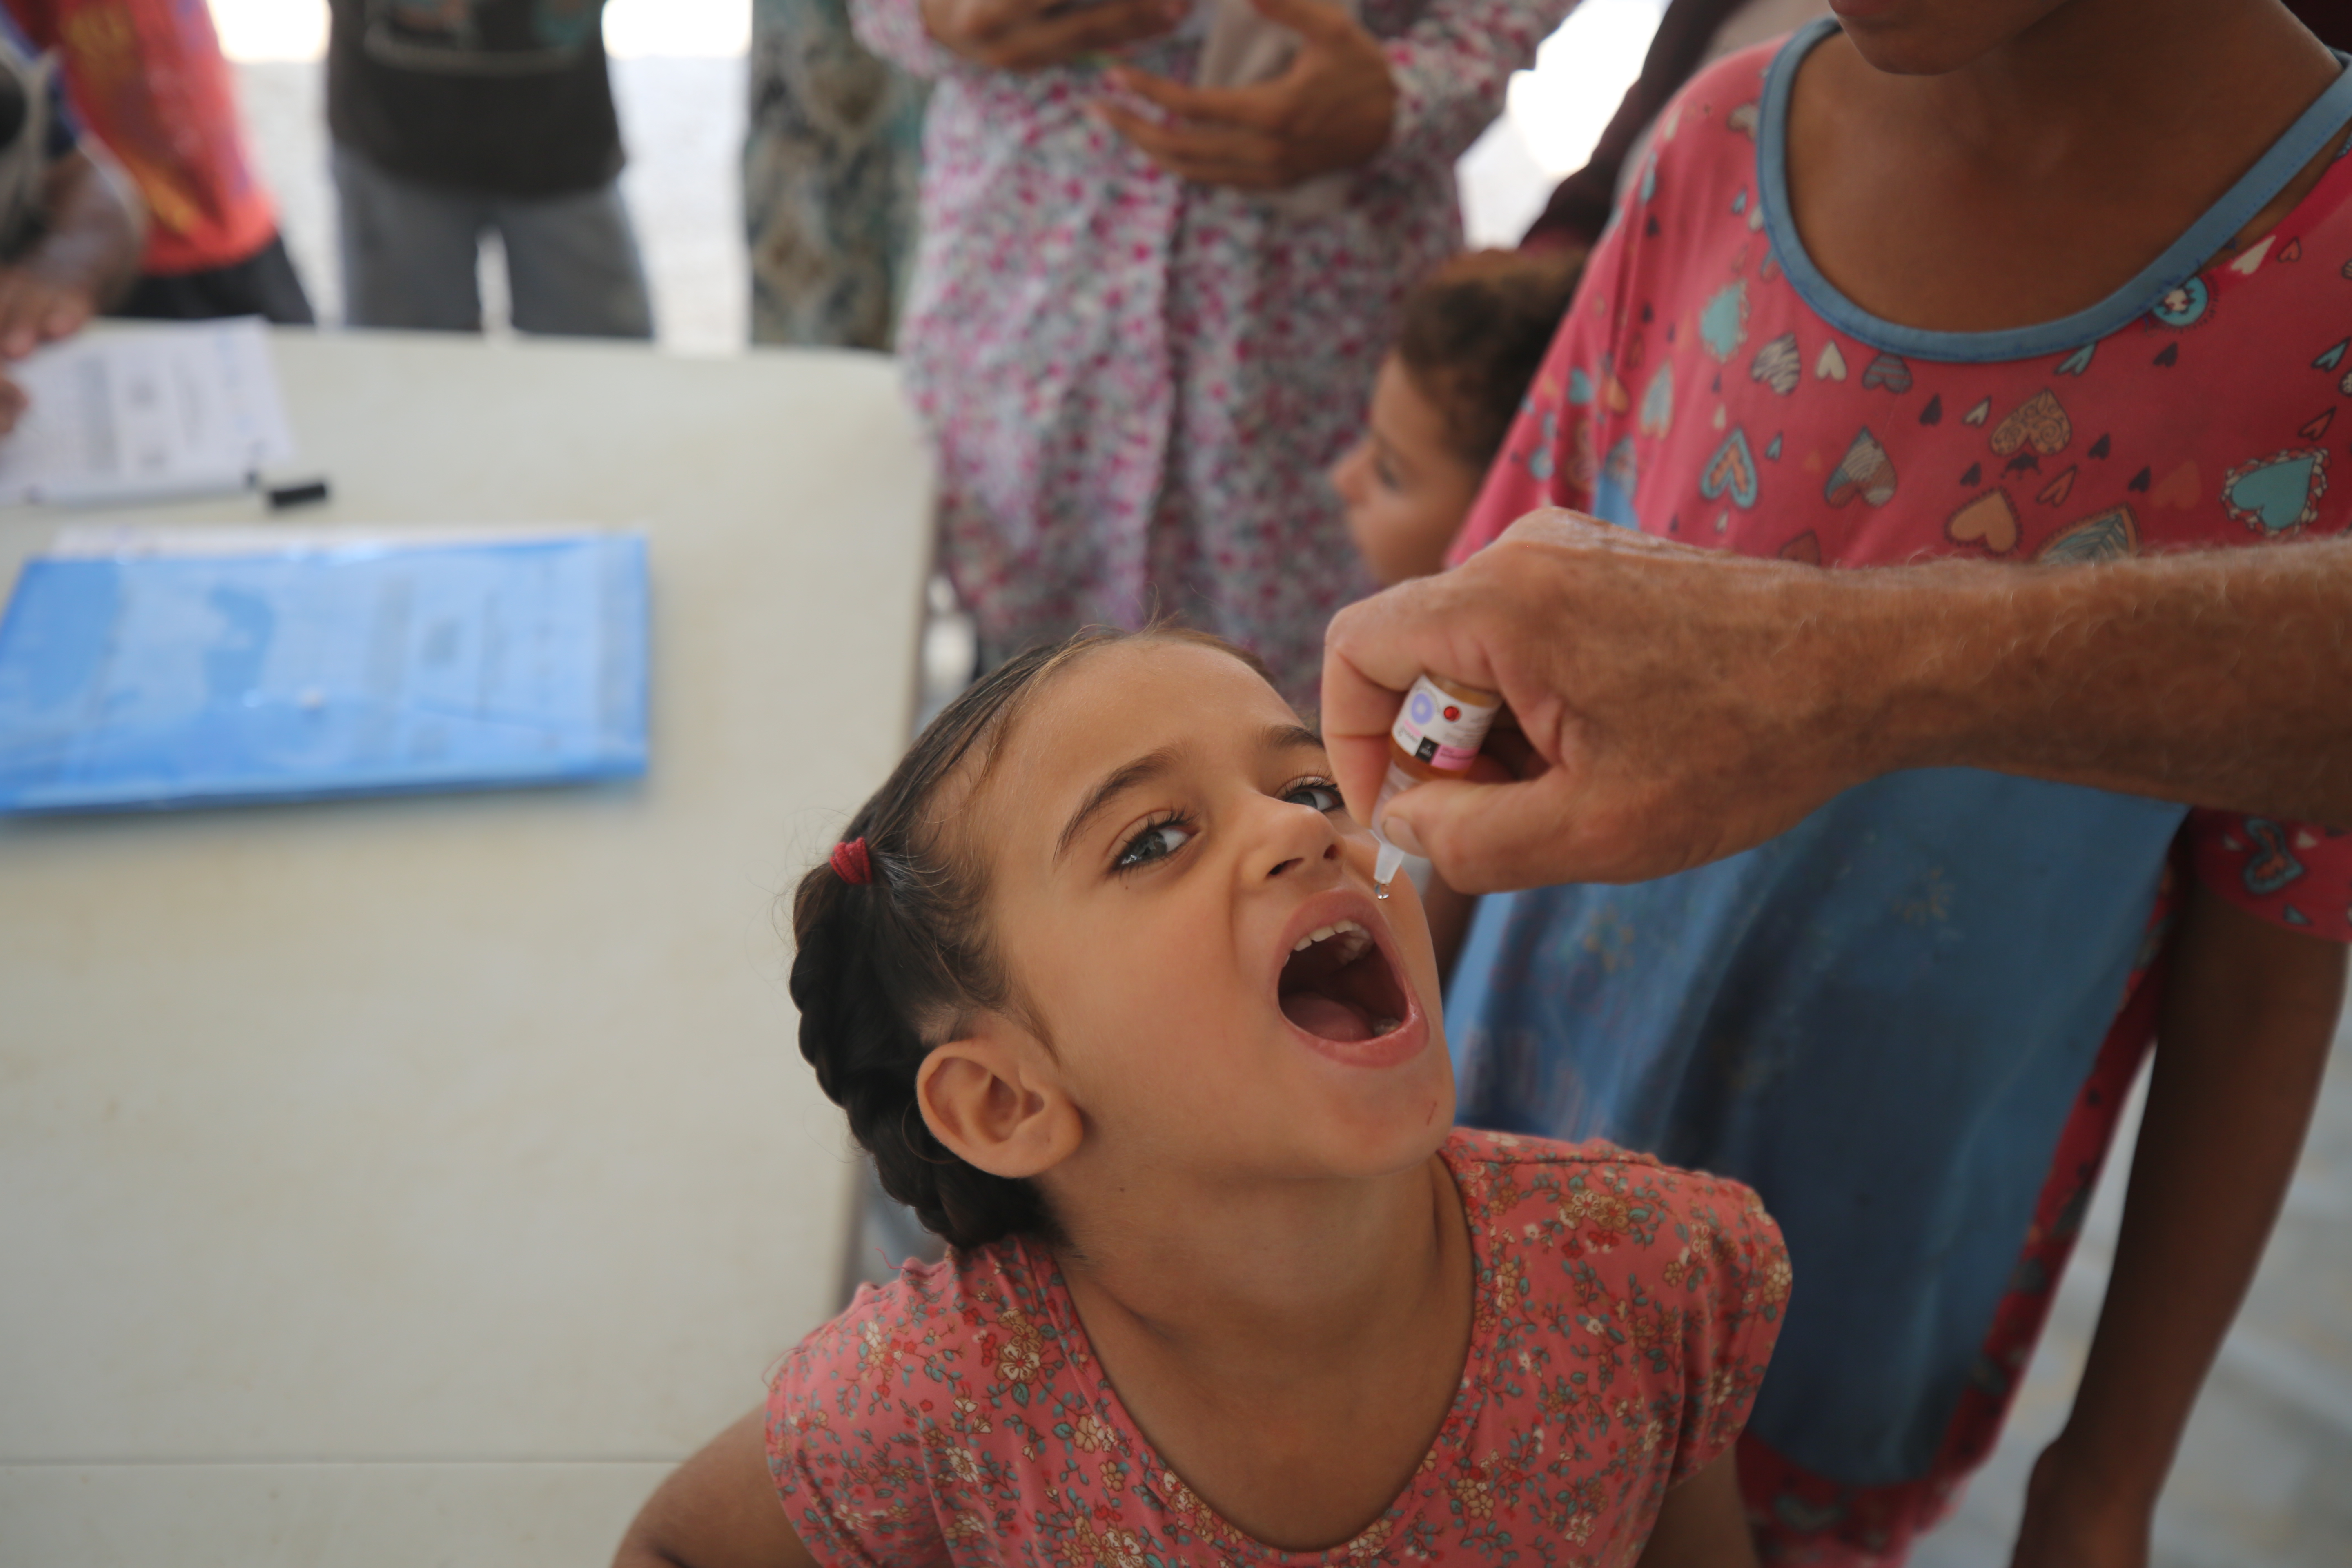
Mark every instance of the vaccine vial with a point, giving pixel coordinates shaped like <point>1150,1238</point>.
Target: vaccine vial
<point>1436,735</point>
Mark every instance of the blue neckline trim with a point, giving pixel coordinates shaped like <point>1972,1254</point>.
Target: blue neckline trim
<point>2181,260</point>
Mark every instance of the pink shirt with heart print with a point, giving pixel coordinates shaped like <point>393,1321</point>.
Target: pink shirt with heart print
<point>1698,392</point>
<point>1710,386</point>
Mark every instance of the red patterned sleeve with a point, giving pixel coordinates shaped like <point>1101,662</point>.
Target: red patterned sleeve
<point>2289,873</point>
<point>846,1457</point>
<point>1736,1268</point>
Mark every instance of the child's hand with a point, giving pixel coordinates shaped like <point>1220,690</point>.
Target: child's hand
<point>1030,35</point>
<point>1333,108</point>
<point>2073,1519</point>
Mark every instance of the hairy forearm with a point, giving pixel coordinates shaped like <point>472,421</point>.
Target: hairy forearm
<point>2219,678</point>
<point>1672,705</point>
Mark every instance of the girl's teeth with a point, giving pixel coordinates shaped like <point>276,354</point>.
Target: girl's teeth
<point>1322,932</point>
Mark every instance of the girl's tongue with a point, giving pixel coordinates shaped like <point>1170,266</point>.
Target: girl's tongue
<point>1327,1016</point>
<point>1337,985</point>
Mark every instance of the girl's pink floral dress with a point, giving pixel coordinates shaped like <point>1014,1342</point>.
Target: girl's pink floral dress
<point>1623,1315</point>
<point>1133,384</point>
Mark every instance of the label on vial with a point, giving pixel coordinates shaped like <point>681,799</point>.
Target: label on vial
<point>1440,730</point>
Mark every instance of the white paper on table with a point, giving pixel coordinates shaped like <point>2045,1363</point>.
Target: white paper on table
<point>140,542</point>
<point>139,413</point>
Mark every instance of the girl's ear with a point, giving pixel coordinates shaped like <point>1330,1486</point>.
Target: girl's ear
<point>993,1099</point>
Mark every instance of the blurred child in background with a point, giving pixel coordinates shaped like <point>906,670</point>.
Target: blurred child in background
<point>1473,335</point>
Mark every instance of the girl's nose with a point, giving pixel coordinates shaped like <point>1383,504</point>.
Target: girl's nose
<point>1288,839</point>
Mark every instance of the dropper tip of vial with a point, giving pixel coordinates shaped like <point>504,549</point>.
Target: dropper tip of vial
<point>1385,866</point>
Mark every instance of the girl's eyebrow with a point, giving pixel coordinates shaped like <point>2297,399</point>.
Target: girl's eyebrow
<point>1149,766</point>
<point>1144,768</point>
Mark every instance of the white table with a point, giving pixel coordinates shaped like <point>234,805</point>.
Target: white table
<point>413,1181</point>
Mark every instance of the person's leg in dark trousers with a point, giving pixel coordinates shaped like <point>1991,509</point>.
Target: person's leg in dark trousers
<point>409,249</point>
<point>264,284</point>
<point>572,266</point>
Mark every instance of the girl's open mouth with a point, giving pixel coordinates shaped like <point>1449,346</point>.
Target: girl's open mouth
<point>1338,984</point>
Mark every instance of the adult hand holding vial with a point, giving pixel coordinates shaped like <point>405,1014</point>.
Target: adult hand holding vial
<point>1437,734</point>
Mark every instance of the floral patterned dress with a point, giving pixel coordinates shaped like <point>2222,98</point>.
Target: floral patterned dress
<point>830,169</point>
<point>1623,1317</point>
<point>1133,384</point>
<point>1909,1020</point>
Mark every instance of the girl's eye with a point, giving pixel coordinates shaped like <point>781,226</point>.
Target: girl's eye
<point>1158,841</point>
<point>1316,794</point>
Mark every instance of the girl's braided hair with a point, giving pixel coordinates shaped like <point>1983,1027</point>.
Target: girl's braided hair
<point>890,967</point>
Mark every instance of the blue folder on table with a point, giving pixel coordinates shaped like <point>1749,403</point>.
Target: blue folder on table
<point>186,676</point>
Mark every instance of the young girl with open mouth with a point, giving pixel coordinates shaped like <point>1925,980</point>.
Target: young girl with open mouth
<point>1100,979</point>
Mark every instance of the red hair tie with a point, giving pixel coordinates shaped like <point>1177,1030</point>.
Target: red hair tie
<point>851,863</point>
